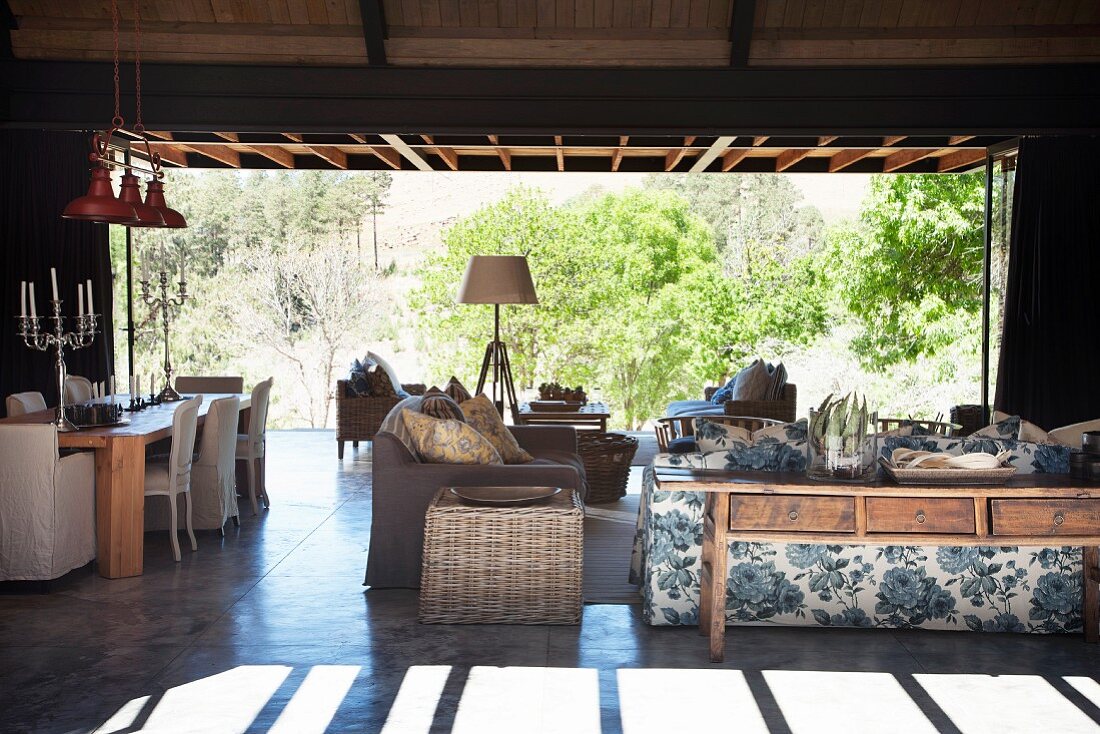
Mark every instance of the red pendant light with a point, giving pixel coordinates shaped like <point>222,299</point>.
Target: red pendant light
<point>100,204</point>
<point>147,216</point>
<point>155,199</point>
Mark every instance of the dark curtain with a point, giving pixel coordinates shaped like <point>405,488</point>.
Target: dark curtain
<point>43,171</point>
<point>1050,347</point>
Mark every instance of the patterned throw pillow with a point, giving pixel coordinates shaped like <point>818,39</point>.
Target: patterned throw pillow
<point>483,416</point>
<point>775,448</point>
<point>379,384</point>
<point>725,392</point>
<point>1016,428</point>
<point>357,379</point>
<point>456,390</point>
<point>753,382</point>
<point>710,436</point>
<point>779,381</point>
<point>448,441</point>
<point>438,405</point>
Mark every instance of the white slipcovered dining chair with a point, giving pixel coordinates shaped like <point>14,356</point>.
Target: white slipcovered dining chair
<point>77,389</point>
<point>47,505</point>
<point>172,478</point>
<point>212,383</point>
<point>213,481</point>
<point>251,447</point>
<point>21,403</point>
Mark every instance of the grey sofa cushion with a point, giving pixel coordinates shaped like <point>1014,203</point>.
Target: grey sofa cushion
<point>395,424</point>
<point>693,407</point>
<point>753,382</point>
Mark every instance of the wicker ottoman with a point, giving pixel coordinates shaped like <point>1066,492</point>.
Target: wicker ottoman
<point>502,565</point>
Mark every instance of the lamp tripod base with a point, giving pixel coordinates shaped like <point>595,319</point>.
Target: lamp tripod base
<point>496,358</point>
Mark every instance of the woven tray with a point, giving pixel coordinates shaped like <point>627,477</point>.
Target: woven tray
<point>947,476</point>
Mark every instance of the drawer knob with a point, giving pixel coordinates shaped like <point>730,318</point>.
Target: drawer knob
<point>921,517</point>
<point>1059,518</point>
<point>792,515</point>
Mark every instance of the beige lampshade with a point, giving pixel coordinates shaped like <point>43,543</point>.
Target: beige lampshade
<point>497,279</point>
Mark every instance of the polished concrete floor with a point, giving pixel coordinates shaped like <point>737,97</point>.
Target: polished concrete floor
<point>269,629</point>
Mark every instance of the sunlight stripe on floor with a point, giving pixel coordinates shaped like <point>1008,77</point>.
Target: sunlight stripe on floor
<point>313,705</point>
<point>529,700</point>
<point>414,708</point>
<point>1087,687</point>
<point>1006,704</point>
<point>643,712</point>
<point>124,718</point>
<point>226,702</point>
<point>820,701</point>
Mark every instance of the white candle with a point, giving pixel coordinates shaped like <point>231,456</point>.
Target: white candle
<point>138,378</point>
<point>34,311</point>
<point>90,309</point>
<point>80,300</point>
<point>111,385</point>
<point>53,281</point>
<point>23,298</point>
<point>95,390</point>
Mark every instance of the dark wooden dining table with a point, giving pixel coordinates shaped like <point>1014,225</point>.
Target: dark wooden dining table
<point>120,474</point>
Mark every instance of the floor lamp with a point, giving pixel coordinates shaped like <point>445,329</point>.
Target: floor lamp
<point>497,279</point>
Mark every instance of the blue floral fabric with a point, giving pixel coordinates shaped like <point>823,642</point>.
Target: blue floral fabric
<point>988,588</point>
<point>724,393</point>
<point>1028,458</point>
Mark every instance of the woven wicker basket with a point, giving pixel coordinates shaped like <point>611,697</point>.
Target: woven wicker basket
<point>780,410</point>
<point>606,458</point>
<point>502,565</point>
<point>970,417</point>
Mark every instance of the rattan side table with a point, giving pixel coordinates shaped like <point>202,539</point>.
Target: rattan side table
<point>502,565</point>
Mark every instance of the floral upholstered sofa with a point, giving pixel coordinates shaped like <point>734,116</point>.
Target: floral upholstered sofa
<point>992,589</point>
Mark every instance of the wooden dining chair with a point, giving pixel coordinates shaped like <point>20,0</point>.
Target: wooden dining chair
<point>21,403</point>
<point>172,478</point>
<point>251,446</point>
<point>683,426</point>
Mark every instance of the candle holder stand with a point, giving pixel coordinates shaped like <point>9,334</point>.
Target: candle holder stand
<point>162,305</point>
<point>35,338</point>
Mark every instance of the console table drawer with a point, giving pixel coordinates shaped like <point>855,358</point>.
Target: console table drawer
<point>920,515</point>
<point>1046,517</point>
<point>792,513</point>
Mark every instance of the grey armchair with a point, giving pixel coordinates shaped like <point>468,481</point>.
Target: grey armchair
<point>404,486</point>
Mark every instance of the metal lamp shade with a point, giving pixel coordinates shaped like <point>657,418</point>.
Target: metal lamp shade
<point>130,193</point>
<point>100,204</point>
<point>155,199</point>
<point>497,279</point>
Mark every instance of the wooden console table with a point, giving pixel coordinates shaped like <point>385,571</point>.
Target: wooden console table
<point>1033,509</point>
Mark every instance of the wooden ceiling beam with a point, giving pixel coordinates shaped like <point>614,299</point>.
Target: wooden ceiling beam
<point>958,139</point>
<point>407,151</point>
<point>559,153</point>
<point>391,157</point>
<point>826,139</point>
<point>959,159</point>
<point>674,156</point>
<point>220,153</point>
<point>231,137</point>
<point>163,135</point>
<point>844,158</point>
<point>733,157</point>
<point>759,140</point>
<point>448,154</point>
<point>330,153</point>
<point>716,149</point>
<point>903,158</point>
<point>275,153</point>
<point>788,158</point>
<point>617,155</point>
<point>505,155</point>
<point>296,137</point>
<point>361,139</point>
<point>170,154</point>
<point>374,31</point>
<point>893,140</point>
<point>741,25</point>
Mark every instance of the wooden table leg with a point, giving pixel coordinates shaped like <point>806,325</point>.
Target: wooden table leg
<point>120,506</point>
<point>1090,558</point>
<point>706,566</point>
<point>719,553</point>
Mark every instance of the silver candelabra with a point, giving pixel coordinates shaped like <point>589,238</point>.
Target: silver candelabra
<point>39,340</point>
<point>163,305</point>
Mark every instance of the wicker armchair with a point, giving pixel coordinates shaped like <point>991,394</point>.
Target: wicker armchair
<point>358,418</point>
<point>780,410</point>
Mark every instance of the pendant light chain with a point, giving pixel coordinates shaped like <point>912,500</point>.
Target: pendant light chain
<point>117,121</point>
<point>139,127</point>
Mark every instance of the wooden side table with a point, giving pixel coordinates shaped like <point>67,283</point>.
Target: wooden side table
<point>1034,509</point>
<point>502,565</point>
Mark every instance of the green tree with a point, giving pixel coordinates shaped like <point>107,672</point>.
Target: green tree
<point>910,272</point>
